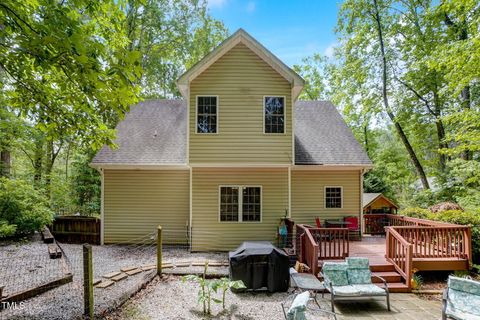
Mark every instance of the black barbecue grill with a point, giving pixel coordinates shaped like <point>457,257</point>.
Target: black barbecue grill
<point>260,265</point>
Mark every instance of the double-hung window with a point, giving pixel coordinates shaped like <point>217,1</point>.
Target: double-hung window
<point>333,197</point>
<point>240,203</point>
<point>274,114</point>
<point>207,108</point>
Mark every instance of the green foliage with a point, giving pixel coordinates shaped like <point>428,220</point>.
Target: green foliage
<point>7,230</point>
<point>85,185</point>
<point>314,70</point>
<point>210,286</point>
<point>417,281</point>
<point>69,80</point>
<point>170,36</point>
<point>415,213</point>
<point>22,208</point>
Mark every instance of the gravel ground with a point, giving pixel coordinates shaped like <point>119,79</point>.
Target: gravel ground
<point>170,298</point>
<point>22,261</point>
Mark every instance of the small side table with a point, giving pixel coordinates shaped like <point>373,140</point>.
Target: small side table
<point>307,281</point>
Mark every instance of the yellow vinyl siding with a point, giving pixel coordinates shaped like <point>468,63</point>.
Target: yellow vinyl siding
<point>136,202</point>
<point>308,187</point>
<point>240,79</point>
<point>209,233</point>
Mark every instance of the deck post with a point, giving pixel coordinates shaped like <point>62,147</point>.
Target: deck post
<point>468,245</point>
<point>87,281</point>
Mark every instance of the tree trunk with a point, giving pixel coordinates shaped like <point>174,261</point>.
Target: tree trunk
<point>5,162</point>
<point>466,104</point>
<point>48,168</point>
<point>365,135</point>
<point>442,144</point>
<point>391,115</point>
<point>38,164</point>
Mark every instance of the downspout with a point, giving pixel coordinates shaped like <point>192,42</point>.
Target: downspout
<point>362,224</point>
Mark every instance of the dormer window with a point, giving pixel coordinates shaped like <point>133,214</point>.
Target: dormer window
<point>207,114</point>
<point>274,114</point>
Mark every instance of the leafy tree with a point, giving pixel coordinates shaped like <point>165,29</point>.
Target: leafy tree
<point>170,36</point>
<point>22,208</point>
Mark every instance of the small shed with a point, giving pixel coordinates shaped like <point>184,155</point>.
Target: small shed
<point>378,203</point>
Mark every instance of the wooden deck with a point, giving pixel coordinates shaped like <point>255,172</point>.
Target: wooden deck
<point>406,246</point>
<point>371,247</point>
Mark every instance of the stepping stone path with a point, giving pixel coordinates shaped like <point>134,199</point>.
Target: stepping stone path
<point>121,276</point>
<point>112,274</point>
<point>125,272</point>
<point>105,284</point>
<point>133,272</point>
<point>125,269</point>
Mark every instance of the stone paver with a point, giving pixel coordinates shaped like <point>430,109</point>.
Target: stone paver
<point>404,307</point>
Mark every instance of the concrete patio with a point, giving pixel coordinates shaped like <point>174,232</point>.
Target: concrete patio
<point>404,307</point>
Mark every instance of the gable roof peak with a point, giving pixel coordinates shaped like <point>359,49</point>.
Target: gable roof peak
<point>240,36</point>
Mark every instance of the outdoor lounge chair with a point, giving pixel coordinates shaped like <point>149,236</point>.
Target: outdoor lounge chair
<point>353,227</point>
<point>461,299</point>
<point>301,306</point>
<point>352,280</point>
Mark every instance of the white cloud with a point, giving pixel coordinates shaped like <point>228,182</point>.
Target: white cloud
<point>216,3</point>
<point>330,50</point>
<point>251,6</point>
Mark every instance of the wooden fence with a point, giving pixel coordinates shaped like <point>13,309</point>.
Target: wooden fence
<point>76,229</point>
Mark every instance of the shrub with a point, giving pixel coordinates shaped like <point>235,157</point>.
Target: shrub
<point>22,208</point>
<point>415,212</point>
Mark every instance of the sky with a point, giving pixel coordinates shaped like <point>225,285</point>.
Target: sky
<point>290,29</point>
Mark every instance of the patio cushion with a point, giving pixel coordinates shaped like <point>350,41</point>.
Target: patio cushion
<point>358,263</point>
<point>369,289</point>
<point>335,273</point>
<point>462,305</point>
<point>464,285</point>
<point>347,291</point>
<point>359,276</point>
<point>298,307</point>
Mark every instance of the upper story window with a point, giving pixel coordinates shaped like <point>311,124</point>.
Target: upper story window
<point>274,113</point>
<point>240,203</point>
<point>333,197</point>
<point>207,108</point>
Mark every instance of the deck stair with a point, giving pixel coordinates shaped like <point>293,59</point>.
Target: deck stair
<point>387,271</point>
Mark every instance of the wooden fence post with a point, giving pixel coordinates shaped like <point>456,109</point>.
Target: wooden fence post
<point>159,250</point>
<point>87,281</point>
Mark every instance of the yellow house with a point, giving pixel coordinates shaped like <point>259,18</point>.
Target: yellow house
<point>232,158</point>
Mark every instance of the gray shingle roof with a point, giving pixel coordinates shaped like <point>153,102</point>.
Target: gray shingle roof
<point>154,132</point>
<point>369,197</point>
<point>322,137</point>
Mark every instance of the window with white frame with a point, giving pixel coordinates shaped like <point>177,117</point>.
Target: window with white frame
<point>240,203</point>
<point>274,113</point>
<point>333,197</point>
<point>207,114</point>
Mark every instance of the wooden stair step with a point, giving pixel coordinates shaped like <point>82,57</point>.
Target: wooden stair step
<point>383,267</point>
<point>395,287</point>
<point>389,276</point>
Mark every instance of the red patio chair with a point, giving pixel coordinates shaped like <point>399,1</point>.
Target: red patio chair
<point>353,227</point>
<point>318,222</point>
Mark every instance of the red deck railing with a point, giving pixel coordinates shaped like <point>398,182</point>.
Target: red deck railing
<point>412,238</point>
<point>315,244</point>
<point>407,239</point>
<point>399,253</point>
